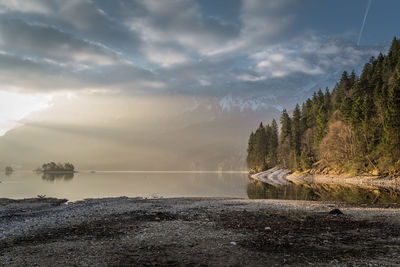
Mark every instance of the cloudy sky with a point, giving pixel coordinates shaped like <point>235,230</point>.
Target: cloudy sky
<point>243,53</point>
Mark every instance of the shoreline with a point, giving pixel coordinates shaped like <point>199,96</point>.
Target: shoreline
<point>276,176</point>
<point>361,181</point>
<point>273,176</point>
<point>55,172</point>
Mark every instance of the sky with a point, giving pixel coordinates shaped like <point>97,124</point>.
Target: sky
<point>244,54</point>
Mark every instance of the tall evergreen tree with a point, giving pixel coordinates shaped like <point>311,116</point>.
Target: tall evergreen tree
<point>296,131</point>
<point>321,123</point>
<point>260,147</point>
<point>286,122</point>
<point>285,140</point>
<point>251,163</point>
<point>273,144</point>
<point>392,123</point>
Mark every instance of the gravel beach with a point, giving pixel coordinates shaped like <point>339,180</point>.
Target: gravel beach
<point>196,231</point>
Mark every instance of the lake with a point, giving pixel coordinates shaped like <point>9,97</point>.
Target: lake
<point>81,185</point>
<point>324,192</point>
<point>85,184</point>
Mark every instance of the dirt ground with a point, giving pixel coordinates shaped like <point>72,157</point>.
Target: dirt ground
<point>196,232</point>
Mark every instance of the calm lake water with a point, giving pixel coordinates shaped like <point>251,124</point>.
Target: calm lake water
<point>27,184</point>
<point>324,192</point>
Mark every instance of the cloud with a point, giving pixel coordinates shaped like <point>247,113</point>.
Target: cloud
<point>33,40</point>
<point>281,63</point>
<point>34,6</point>
<point>82,14</point>
<point>165,47</point>
<point>162,27</point>
<point>265,20</point>
<point>164,56</point>
<point>311,56</point>
<point>42,76</point>
<point>84,19</point>
<point>204,82</point>
<point>263,23</point>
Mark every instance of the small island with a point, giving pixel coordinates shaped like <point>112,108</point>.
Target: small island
<point>53,167</point>
<point>8,170</point>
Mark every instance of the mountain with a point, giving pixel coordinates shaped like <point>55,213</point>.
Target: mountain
<point>207,136</point>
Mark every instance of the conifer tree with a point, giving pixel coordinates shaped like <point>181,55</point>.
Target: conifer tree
<point>392,124</point>
<point>251,152</point>
<point>286,130</point>
<point>296,131</point>
<point>321,123</point>
<point>273,144</point>
<point>260,147</point>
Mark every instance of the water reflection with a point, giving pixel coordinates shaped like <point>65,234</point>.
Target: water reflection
<point>51,177</point>
<point>86,184</point>
<point>323,192</point>
<point>8,171</point>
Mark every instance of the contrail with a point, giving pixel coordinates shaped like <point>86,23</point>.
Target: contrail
<point>363,24</point>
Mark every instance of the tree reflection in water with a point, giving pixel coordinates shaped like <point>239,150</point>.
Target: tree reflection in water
<point>66,176</point>
<point>323,192</point>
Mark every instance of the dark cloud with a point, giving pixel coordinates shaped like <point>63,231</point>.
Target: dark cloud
<point>167,47</point>
<point>82,18</point>
<point>81,14</point>
<point>45,42</point>
<point>40,76</point>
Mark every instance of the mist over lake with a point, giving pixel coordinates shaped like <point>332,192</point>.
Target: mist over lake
<point>81,185</point>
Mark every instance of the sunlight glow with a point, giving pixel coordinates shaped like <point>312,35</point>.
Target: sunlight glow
<point>16,106</point>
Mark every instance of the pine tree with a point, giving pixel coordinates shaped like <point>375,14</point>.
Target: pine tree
<point>260,147</point>
<point>273,144</point>
<point>356,113</point>
<point>285,140</point>
<point>296,137</point>
<point>251,152</point>
<point>296,131</point>
<point>268,134</point>
<point>346,108</point>
<point>392,123</point>
<point>286,130</point>
<point>307,117</point>
<point>352,79</point>
<point>327,100</point>
<point>321,123</point>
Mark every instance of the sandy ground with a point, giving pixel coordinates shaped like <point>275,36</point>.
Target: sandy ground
<point>196,232</point>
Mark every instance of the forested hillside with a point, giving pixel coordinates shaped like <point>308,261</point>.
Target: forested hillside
<point>354,128</point>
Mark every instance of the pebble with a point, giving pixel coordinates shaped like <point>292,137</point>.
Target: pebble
<point>41,216</point>
<point>336,212</point>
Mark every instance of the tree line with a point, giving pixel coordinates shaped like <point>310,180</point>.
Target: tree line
<point>57,167</point>
<point>354,128</point>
